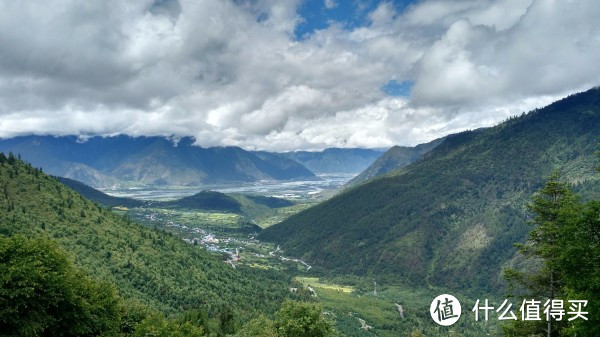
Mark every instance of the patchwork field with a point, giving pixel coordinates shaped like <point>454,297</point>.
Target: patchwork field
<point>229,235</point>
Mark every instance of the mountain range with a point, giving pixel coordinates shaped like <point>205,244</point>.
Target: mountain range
<point>451,218</point>
<point>336,160</point>
<point>123,160</point>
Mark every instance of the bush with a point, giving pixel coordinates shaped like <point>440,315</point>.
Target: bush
<point>41,293</point>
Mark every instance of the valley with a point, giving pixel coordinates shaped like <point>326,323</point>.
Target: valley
<point>370,252</point>
<point>307,168</point>
<point>312,189</point>
<point>231,235</point>
<point>350,301</point>
<point>375,248</point>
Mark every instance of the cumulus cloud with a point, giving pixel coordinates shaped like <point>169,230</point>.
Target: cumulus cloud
<point>232,73</point>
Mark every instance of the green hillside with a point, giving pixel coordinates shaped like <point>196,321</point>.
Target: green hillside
<point>149,266</point>
<point>253,207</point>
<point>393,159</point>
<point>98,196</point>
<point>208,200</point>
<point>451,218</point>
<point>248,205</point>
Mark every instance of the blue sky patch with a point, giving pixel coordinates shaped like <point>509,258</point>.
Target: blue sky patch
<point>348,13</point>
<point>395,88</point>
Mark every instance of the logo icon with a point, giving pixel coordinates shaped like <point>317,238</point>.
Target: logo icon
<point>445,310</point>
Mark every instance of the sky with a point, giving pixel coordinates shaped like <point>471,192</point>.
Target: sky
<point>288,75</point>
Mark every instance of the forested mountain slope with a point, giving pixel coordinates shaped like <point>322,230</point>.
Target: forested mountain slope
<point>393,159</point>
<point>146,265</point>
<point>451,218</point>
<point>98,196</point>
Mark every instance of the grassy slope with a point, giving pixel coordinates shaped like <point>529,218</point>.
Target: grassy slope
<point>151,266</point>
<point>451,218</point>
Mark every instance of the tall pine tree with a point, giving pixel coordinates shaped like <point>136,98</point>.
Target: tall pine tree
<point>564,258</point>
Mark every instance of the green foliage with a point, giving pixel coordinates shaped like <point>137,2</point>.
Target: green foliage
<point>226,322</point>
<point>258,327</point>
<point>294,319</point>
<point>578,264</point>
<point>416,333</point>
<point>133,313</point>
<point>266,211</point>
<point>153,267</point>
<point>566,240</point>
<point>156,325</point>
<point>99,197</point>
<point>382,313</point>
<point>300,319</point>
<point>552,206</point>
<point>41,293</point>
<point>199,318</point>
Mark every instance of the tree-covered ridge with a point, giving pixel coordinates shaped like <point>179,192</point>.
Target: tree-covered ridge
<point>43,294</point>
<point>451,218</point>
<point>395,158</point>
<point>100,197</point>
<point>152,267</point>
<point>248,205</point>
<point>207,200</point>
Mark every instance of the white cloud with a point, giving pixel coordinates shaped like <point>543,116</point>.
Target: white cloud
<point>231,73</point>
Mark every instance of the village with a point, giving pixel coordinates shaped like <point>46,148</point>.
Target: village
<point>222,234</point>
